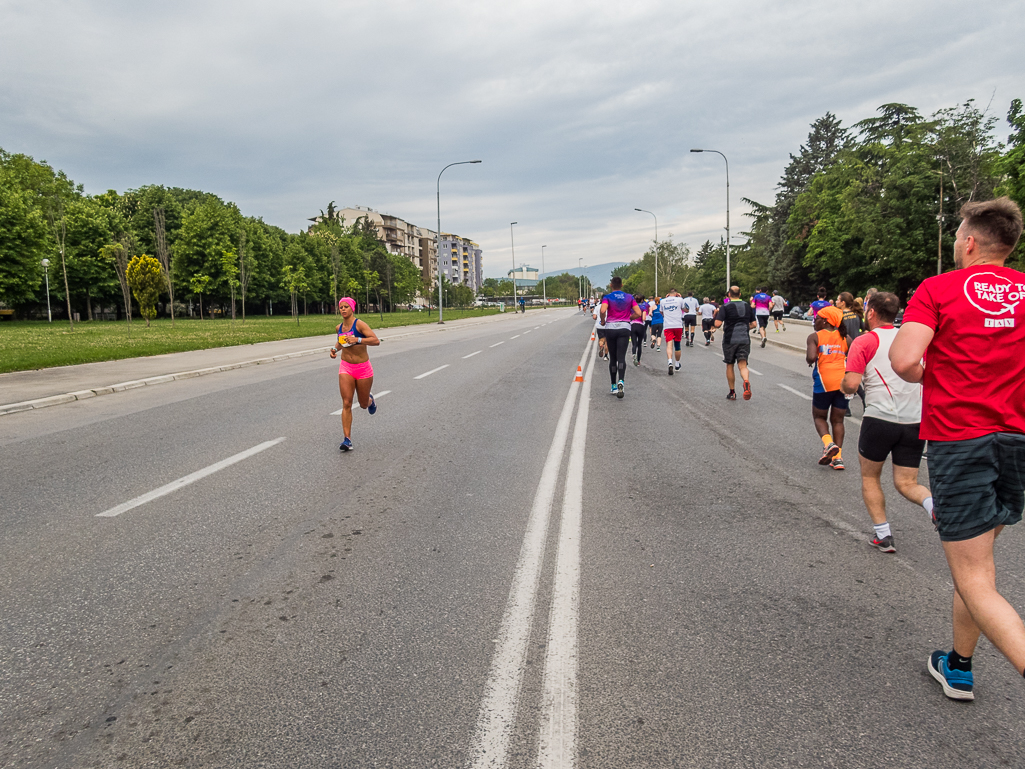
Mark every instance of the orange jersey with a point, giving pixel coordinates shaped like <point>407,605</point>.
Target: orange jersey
<point>829,369</point>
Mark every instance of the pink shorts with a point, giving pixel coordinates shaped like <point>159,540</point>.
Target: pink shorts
<point>356,370</point>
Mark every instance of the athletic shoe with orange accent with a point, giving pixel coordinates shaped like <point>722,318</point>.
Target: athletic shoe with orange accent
<point>830,451</point>
<point>747,391</point>
<point>837,464</point>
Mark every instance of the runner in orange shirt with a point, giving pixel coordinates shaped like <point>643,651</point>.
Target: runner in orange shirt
<point>827,353</point>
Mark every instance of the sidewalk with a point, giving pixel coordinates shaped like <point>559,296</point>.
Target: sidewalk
<point>793,339</point>
<point>24,390</point>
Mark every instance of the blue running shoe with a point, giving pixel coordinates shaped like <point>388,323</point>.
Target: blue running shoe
<point>372,408</point>
<point>614,390</point>
<point>957,684</point>
<point>346,445</point>
<point>620,391</point>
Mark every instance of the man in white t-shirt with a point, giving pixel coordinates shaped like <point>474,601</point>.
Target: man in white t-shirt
<point>707,311</point>
<point>672,325</point>
<point>893,414</point>
<point>599,330</point>
<point>690,317</point>
<point>777,306</point>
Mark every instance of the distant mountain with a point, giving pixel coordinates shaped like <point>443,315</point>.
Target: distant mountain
<point>598,274</point>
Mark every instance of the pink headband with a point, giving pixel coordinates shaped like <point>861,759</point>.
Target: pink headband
<point>349,300</point>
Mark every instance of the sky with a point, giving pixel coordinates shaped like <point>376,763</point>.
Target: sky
<point>580,111</point>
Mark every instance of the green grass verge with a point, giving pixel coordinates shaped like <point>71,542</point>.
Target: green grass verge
<point>26,345</point>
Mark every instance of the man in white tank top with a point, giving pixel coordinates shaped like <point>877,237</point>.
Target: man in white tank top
<point>893,411</point>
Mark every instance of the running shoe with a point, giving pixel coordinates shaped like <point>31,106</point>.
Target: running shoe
<point>346,445</point>
<point>764,340</point>
<point>606,356</point>
<point>637,361</point>
<point>620,391</point>
<point>732,396</point>
<point>957,684</point>
<point>678,364</point>
<point>372,408</point>
<point>837,464</point>
<point>885,544</point>
<point>652,344</point>
<point>830,451</point>
<point>784,326</point>
<point>707,342</point>
<point>670,369</point>
<point>614,391</point>
<point>659,348</point>
<point>747,391</point>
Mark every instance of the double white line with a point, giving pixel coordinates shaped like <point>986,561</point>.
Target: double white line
<point>498,713</point>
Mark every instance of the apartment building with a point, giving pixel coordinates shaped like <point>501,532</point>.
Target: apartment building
<point>462,261</point>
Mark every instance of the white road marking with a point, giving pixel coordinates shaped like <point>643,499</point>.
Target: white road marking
<point>492,735</point>
<point>472,354</point>
<point>432,371</point>
<point>757,373</point>
<point>182,482</point>
<point>526,332</point>
<point>515,337</point>
<point>558,727</point>
<point>498,343</point>
<point>537,327</point>
<point>376,396</point>
<point>798,393</point>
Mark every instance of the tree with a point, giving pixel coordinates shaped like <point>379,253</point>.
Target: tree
<point>198,284</point>
<point>245,271</point>
<point>164,256</point>
<point>293,280</point>
<point>22,245</point>
<point>119,253</point>
<point>1013,169</point>
<point>145,279</point>
<point>229,268</point>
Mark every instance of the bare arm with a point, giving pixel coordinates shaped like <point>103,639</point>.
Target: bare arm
<point>369,337</point>
<point>907,350</point>
<point>850,383</point>
<point>811,354</point>
<point>604,312</point>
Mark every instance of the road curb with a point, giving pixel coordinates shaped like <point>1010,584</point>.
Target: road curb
<point>57,400</point>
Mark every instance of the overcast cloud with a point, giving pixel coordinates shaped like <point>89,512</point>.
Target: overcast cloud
<point>580,111</point>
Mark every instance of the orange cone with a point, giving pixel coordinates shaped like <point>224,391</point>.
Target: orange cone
<point>580,375</point>
<point>592,336</point>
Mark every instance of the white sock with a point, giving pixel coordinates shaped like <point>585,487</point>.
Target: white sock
<point>882,530</point>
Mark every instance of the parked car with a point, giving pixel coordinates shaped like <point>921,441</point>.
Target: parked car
<point>796,312</point>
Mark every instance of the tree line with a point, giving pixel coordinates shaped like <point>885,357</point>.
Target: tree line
<point>195,244</point>
<point>875,204</point>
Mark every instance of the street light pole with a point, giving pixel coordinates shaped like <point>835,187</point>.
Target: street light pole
<point>544,286</point>
<point>580,278</point>
<point>643,211</point>
<point>437,235</point>
<point>512,242</point>
<point>46,273</point>
<point>727,215</point>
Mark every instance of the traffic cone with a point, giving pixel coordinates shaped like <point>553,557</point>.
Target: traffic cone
<point>580,375</point>
<point>592,336</point>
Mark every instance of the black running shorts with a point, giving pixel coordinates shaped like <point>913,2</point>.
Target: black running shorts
<point>656,329</point>
<point>731,353</point>
<point>777,314</point>
<point>977,484</point>
<point>763,321</point>
<point>601,333</point>
<point>690,320</point>
<point>707,323</point>
<point>880,439</point>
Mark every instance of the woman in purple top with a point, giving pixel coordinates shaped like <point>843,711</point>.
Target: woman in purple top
<point>617,310</point>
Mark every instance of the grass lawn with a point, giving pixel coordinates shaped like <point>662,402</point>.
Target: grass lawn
<point>28,345</point>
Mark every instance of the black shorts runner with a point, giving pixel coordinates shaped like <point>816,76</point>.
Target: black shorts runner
<point>601,333</point>
<point>731,353</point>
<point>977,484</point>
<point>690,320</point>
<point>777,314</point>
<point>706,324</point>
<point>763,321</point>
<point>656,329</point>
<point>880,439</point>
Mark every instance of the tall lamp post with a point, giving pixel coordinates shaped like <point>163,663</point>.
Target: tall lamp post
<point>512,243</point>
<point>580,278</point>
<point>727,215</point>
<point>643,211</point>
<point>544,286</point>
<point>46,273</point>
<point>437,237</point>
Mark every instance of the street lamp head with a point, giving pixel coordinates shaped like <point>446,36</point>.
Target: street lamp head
<point>46,263</point>
<point>637,209</point>
<point>697,150</point>
<point>512,223</point>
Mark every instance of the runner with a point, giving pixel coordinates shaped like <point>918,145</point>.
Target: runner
<point>852,318</point>
<point>967,323</point>
<point>655,308</point>
<point>737,319</point>
<point>690,317</point>
<point>889,427</point>
<point>355,374</point>
<point>777,307</point>
<point>819,303</point>
<point>761,301</point>
<point>617,310</point>
<point>672,314</point>
<point>707,311</point>
<point>826,352</point>
<point>599,331</point>
<point>637,329</point>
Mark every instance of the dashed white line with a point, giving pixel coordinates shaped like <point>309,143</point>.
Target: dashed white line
<point>515,337</point>
<point>526,332</point>
<point>498,343</point>
<point>757,373</point>
<point>182,482</point>
<point>798,393</point>
<point>432,371</point>
<point>472,354</point>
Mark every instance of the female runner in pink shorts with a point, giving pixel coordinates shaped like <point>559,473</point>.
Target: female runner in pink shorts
<point>355,374</point>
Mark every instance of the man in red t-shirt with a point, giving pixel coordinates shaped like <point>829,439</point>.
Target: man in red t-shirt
<point>969,325</point>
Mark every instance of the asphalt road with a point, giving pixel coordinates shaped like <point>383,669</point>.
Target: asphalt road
<point>510,570</point>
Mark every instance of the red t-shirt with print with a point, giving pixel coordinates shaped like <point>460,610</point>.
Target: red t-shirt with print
<point>975,365</point>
